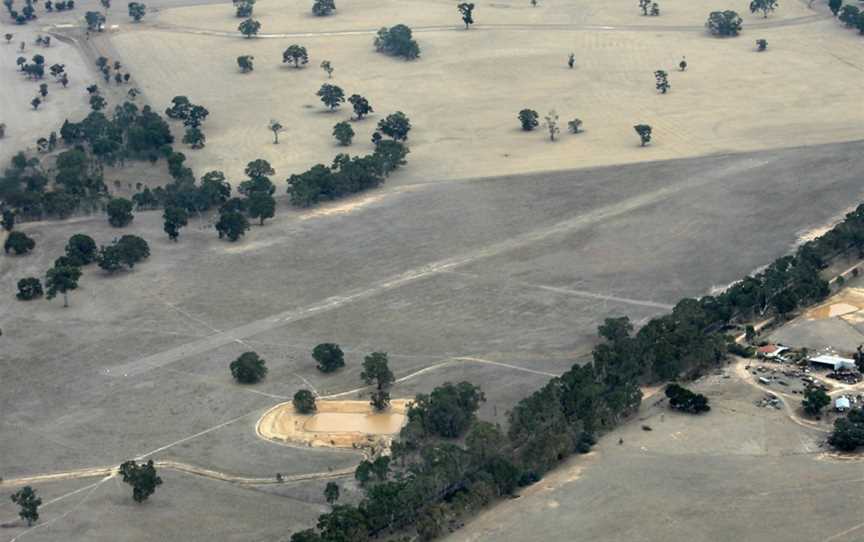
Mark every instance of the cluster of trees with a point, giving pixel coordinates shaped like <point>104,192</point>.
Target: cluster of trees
<point>27,13</point>
<point>680,398</point>
<point>347,175</point>
<point>397,41</point>
<point>123,252</point>
<point>75,182</point>
<point>849,14</point>
<point>848,434</point>
<point>193,116</point>
<point>724,23</point>
<point>110,70</point>
<point>530,119</point>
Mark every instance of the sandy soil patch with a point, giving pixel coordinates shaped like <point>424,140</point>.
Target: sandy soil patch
<point>845,303</point>
<point>463,95</point>
<point>341,424</point>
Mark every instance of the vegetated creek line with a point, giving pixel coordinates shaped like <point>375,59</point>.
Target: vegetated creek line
<point>142,365</point>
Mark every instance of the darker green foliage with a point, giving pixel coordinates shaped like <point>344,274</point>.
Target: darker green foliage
<point>723,23</point>
<point>834,6</point>
<point>304,402</point>
<point>124,252</point>
<point>19,243</point>
<point>397,41</point>
<point>119,212</point>
<point>329,357</point>
<point>142,478</point>
<point>447,412</point>
<point>815,399</point>
<point>232,225</point>
<point>322,8</point>
<point>28,503</point>
<point>175,218</point>
<point>528,119</point>
<point>395,125</point>
<point>29,288</point>
<point>248,368</point>
<point>81,249</point>
<point>848,434</point>
<point>681,398</point>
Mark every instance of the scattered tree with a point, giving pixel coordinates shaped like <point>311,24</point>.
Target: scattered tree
<point>36,102</point>
<point>644,5</point>
<point>329,357</point>
<point>528,118</point>
<point>395,125</point>
<point>19,243</point>
<point>175,218</point>
<point>331,95</point>
<point>142,478</point>
<point>245,63</point>
<point>29,288</point>
<point>552,124</point>
<point>361,106</point>
<point>467,11</point>
<point>682,66</point>
<point>833,5</point>
<point>137,10</point>
<point>8,220</point>
<point>765,6</point>
<point>377,371</point>
<point>119,212</point>
<point>397,41</point>
<point>322,8</point>
<point>575,126</point>
<point>848,434</point>
<point>849,15</point>
<point>724,23</point>
<point>571,60</point>
<point>276,127</point>
<point>644,132</point>
<point>248,368</point>
<point>194,137</point>
<point>126,251</point>
<point>296,54</point>
<point>232,225</point>
<point>249,27</point>
<point>244,8</point>
<point>95,21</point>
<point>304,402</point>
<point>331,493</point>
<point>61,280</point>
<point>261,205</point>
<point>761,45</point>
<point>97,102</point>
<point>28,503</point>
<point>81,249</point>
<point>662,81</point>
<point>343,133</point>
<point>328,68</point>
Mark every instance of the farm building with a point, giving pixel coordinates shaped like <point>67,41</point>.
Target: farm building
<point>771,350</point>
<point>841,404</point>
<point>827,361</point>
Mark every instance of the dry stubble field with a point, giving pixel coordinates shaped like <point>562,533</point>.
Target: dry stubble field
<point>463,94</point>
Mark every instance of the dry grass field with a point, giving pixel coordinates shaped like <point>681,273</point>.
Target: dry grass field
<point>463,94</point>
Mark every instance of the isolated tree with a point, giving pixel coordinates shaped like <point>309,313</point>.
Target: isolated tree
<point>329,357</point>
<point>682,66</point>
<point>322,8</point>
<point>552,124</point>
<point>142,478</point>
<point>327,67</point>
<point>575,126</point>
<point>528,118</point>
<point>244,8</point>
<point>8,38</point>
<point>724,23</point>
<point>29,288</point>
<point>261,206</point>
<point>833,5</point>
<point>343,133</point>
<point>376,371</point>
<point>276,127</point>
<point>28,504</point>
<point>815,399</point>
<point>644,132</point>
<point>655,9</point>
<point>662,81</point>
<point>81,249</point>
<point>644,5</point>
<point>175,218</point>
<point>571,60</point>
<point>249,27</point>
<point>61,280</point>
<point>248,368</point>
<point>467,11</point>
<point>36,102</point>
<point>43,90</point>
<point>8,220</point>
<point>137,10</point>
<point>296,54</point>
<point>761,45</point>
<point>119,212</point>
<point>245,63</point>
<point>19,243</point>
<point>397,41</point>
<point>331,95</point>
<point>396,125</point>
<point>360,105</point>
<point>232,225</point>
<point>304,402</point>
<point>765,6</point>
<point>331,493</point>
<point>95,21</point>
